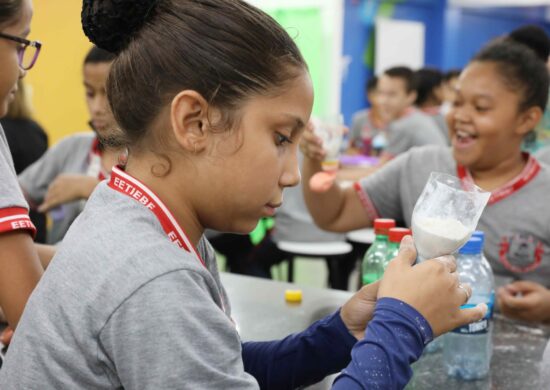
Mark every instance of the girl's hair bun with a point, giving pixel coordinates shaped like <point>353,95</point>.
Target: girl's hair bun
<point>111,24</point>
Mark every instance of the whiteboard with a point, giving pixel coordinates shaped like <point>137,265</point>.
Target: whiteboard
<point>397,43</point>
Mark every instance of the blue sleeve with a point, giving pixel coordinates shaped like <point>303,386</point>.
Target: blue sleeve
<point>394,339</point>
<point>302,358</point>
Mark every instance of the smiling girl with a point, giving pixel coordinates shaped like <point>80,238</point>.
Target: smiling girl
<point>501,96</point>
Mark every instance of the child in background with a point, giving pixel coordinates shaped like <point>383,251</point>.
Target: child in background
<point>62,180</point>
<point>501,96</point>
<point>429,96</point>
<point>212,96</point>
<point>368,128</point>
<point>19,262</point>
<point>408,127</point>
<point>450,79</point>
<point>536,38</point>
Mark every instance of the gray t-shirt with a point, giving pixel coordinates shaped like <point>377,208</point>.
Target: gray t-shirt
<point>70,155</point>
<point>121,306</point>
<point>441,124</point>
<point>362,129</point>
<point>293,222</point>
<point>543,155</point>
<point>414,129</point>
<point>517,227</point>
<point>11,198</point>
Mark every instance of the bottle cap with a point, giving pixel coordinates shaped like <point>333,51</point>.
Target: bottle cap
<point>472,247</point>
<point>383,225</point>
<point>293,295</point>
<point>481,235</point>
<point>397,234</point>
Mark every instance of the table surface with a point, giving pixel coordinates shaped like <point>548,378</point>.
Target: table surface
<point>261,313</point>
<point>361,236</point>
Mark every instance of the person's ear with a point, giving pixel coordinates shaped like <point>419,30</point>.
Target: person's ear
<point>528,120</point>
<point>188,117</point>
<point>411,97</point>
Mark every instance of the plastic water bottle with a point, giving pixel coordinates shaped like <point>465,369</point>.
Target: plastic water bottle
<point>394,240</point>
<point>467,350</point>
<point>372,267</point>
<point>481,235</point>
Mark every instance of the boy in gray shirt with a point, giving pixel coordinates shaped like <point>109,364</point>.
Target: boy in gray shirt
<point>70,156</point>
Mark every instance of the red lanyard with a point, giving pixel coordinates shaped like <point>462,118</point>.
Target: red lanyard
<point>529,172</point>
<point>127,185</point>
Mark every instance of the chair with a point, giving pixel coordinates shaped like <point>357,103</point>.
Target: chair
<point>331,251</point>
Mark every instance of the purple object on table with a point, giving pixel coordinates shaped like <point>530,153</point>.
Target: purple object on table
<point>358,160</point>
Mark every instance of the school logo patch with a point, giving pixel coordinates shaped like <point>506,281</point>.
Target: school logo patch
<point>521,253</point>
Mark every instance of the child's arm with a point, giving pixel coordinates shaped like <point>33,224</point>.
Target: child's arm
<point>45,253</point>
<point>21,271</point>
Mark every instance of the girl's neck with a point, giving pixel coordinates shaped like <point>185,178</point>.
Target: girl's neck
<point>170,190</point>
<point>497,176</point>
<point>110,157</point>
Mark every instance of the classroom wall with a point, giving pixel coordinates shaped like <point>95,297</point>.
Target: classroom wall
<point>56,79</point>
<point>453,36</point>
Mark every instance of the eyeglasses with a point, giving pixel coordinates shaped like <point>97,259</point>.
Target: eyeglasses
<point>27,51</point>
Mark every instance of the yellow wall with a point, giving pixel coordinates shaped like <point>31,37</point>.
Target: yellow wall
<point>56,79</point>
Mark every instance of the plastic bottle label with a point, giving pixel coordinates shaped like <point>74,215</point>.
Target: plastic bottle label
<point>479,327</point>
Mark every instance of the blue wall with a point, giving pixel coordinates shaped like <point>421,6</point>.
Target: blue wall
<point>453,36</point>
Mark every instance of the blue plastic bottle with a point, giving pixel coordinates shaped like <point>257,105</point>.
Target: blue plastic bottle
<point>467,350</point>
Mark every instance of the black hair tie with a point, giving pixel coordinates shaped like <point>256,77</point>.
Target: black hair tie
<point>111,24</point>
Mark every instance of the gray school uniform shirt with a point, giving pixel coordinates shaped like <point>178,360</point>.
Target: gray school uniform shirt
<point>363,128</point>
<point>414,129</point>
<point>543,155</point>
<point>70,156</point>
<point>293,222</point>
<point>10,193</point>
<point>517,227</point>
<point>121,306</point>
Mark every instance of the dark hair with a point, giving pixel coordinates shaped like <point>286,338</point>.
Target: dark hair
<point>226,50</point>
<point>426,81</point>
<point>371,85</point>
<point>534,37</point>
<point>451,74</point>
<point>404,73</point>
<point>98,56</point>
<point>521,70</point>
<point>9,10</point>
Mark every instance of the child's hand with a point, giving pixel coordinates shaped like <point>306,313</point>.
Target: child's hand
<point>431,287</point>
<point>358,311</point>
<point>311,145</point>
<point>524,300</point>
<point>67,188</point>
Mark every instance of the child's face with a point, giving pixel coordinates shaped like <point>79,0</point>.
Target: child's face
<point>247,169</point>
<point>95,78</point>
<point>392,96</point>
<point>9,64</point>
<point>449,90</point>
<point>484,119</point>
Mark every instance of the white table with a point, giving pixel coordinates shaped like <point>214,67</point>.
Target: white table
<point>361,236</point>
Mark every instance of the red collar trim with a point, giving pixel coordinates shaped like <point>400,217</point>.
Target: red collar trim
<point>127,185</point>
<point>530,171</point>
<point>432,111</point>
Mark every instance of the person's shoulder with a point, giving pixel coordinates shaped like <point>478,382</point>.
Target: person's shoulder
<point>543,155</point>
<point>80,138</point>
<point>437,151</point>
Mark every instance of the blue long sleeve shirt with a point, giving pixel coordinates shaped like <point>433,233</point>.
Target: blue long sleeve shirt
<point>394,339</point>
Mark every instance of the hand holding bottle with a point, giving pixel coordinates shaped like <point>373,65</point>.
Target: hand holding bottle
<point>431,287</point>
